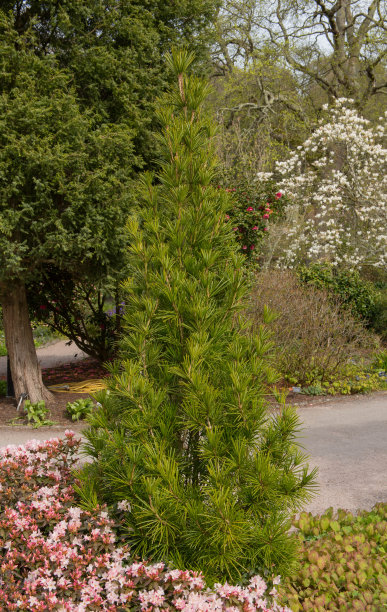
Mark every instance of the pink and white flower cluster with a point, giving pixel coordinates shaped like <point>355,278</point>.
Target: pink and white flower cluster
<point>56,556</point>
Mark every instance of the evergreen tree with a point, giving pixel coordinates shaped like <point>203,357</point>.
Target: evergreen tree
<point>184,434</point>
<point>79,79</point>
<point>59,167</point>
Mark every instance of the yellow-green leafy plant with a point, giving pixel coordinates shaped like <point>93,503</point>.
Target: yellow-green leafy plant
<point>343,564</point>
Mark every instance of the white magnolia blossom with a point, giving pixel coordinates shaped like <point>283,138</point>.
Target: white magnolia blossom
<point>337,185</point>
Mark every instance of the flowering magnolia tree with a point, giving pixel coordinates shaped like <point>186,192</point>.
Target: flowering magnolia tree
<point>337,184</point>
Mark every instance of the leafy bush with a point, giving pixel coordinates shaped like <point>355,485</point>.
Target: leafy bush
<point>37,413</point>
<point>3,348</point>
<point>57,556</point>
<point>343,564</point>
<point>185,436</point>
<point>80,408</point>
<point>315,337</point>
<point>255,206</point>
<point>380,361</point>
<point>379,321</point>
<point>359,295</point>
<point>3,387</point>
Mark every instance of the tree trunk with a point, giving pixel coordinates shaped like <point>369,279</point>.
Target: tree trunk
<point>26,373</point>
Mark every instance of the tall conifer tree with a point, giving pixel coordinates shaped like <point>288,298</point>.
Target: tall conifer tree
<point>184,434</point>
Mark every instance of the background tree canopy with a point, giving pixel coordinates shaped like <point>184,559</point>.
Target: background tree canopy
<point>79,81</point>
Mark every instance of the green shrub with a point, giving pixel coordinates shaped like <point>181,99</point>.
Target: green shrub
<point>380,361</point>
<point>350,379</point>
<point>37,413</point>
<point>254,208</point>
<point>359,295</point>
<point>343,562</point>
<point>80,409</point>
<point>3,348</point>
<point>314,336</point>
<point>379,321</point>
<point>185,436</point>
<point>3,387</point>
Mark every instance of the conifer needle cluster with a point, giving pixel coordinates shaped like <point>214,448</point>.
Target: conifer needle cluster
<point>184,434</point>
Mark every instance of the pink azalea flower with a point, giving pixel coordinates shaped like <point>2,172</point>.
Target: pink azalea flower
<point>266,216</point>
<point>244,247</point>
<point>249,209</point>
<point>278,195</point>
<point>255,227</point>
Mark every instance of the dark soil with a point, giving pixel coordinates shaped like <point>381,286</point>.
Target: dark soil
<point>74,372</point>
<point>86,369</point>
<point>58,413</point>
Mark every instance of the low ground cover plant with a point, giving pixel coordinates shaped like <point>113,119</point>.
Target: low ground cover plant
<point>350,378</point>
<point>343,563</point>
<point>79,409</point>
<point>37,413</point>
<point>57,556</point>
<point>314,336</point>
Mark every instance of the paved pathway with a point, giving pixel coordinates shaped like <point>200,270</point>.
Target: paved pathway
<point>52,355</point>
<point>347,440</point>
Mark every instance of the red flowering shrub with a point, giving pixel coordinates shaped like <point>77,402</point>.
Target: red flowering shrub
<point>56,556</point>
<point>255,208</point>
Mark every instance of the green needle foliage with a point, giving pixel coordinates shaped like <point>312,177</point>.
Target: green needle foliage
<point>184,433</point>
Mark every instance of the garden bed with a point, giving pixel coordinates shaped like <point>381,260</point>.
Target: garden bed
<point>87,369</point>
<point>58,415</point>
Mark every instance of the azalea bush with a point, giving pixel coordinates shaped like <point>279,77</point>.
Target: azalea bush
<point>57,556</point>
<point>337,184</point>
